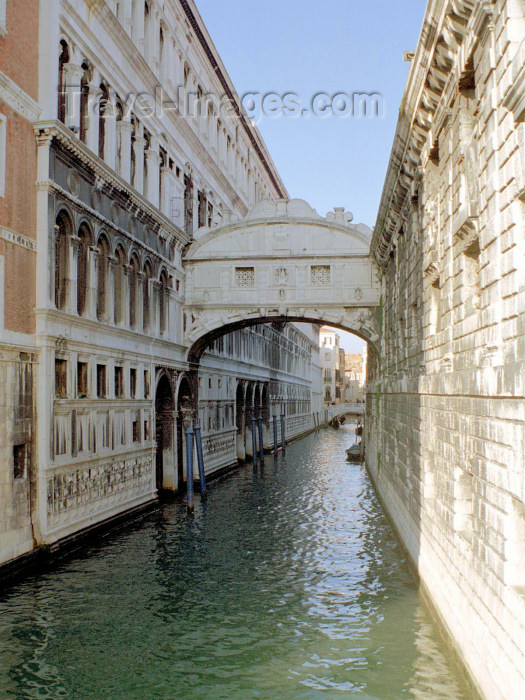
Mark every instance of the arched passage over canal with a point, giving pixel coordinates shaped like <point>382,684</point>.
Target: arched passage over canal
<point>282,262</point>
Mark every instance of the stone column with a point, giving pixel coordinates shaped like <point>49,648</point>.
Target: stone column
<point>91,123</point>
<point>139,316</point>
<point>155,308</point>
<point>171,315</point>
<point>48,54</point>
<point>127,15</point>
<point>171,68</point>
<point>110,135</point>
<point>45,229</point>
<point>72,87</point>
<point>91,291</point>
<point>180,69</point>
<point>109,314</point>
<point>71,284</point>
<point>137,29</point>
<point>166,187</point>
<point>151,306</point>
<point>138,151</point>
<point>154,42</point>
<point>125,300</point>
<point>152,163</point>
<point>124,129</point>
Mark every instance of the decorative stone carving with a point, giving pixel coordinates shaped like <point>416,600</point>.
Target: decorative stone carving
<point>244,277</point>
<point>281,277</point>
<point>320,275</point>
<point>79,492</point>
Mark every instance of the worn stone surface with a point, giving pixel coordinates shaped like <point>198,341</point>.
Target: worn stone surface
<point>446,415</point>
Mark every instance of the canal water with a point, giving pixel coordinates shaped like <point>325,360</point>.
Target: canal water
<point>287,583</point>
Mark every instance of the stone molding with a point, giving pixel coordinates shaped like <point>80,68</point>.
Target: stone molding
<point>17,239</point>
<point>453,33</point>
<point>49,130</point>
<point>17,99</point>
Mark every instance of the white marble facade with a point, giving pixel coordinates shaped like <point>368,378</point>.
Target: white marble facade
<point>121,191</point>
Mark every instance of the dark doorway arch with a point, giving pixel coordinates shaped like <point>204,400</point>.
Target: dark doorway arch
<point>248,413</point>
<point>184,420</point>
<point>164,420</point>
<point>239,420</point>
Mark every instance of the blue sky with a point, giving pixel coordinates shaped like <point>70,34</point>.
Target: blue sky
<point>308,47</point>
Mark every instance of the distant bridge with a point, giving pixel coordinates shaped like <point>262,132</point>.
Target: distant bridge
<point>343,409</point>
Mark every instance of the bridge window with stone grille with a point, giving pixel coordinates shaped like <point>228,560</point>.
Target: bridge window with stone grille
<point>245,277</point>
<point>320,275</point>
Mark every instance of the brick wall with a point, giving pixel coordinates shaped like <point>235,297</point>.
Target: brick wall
<point>19,47</point>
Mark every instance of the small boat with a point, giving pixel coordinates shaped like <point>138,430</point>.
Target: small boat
<point>353,454</point>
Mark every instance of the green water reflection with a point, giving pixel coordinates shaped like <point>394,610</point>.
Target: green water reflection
<point>287,583</point>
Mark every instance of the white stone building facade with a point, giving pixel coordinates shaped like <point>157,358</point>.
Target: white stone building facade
<point>121,189</point>
<point>445,417</point>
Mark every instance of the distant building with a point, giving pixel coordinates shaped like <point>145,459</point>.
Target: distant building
<point>332,366</point>
<point>355,372</point>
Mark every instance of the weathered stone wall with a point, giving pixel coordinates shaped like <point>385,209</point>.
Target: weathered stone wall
<point>18,92</point>
<point>446,420</point>
<point>16,452</point>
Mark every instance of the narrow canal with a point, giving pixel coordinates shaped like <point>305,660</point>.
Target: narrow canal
<point>288,583</point>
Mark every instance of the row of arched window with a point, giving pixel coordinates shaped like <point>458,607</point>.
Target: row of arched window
<point>122,285</point>
<point>120,139</point>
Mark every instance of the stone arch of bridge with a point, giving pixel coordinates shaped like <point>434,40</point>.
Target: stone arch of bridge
<point>281,263</point>
<point>369,334</point>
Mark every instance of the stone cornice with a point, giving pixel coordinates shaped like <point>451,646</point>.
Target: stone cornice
<point>447,42</point>
<point>55,130</point>
<point>106,223</point>
<point>17,239</point>
<point>17,99</point>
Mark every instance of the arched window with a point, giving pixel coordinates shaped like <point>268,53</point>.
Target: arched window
<point>134,134</point>
<point>146,297</point>
<point>82,268</point>
<point>62,234</point>
<point>147,140</point>
<point>102,107</point>
<point>163,301</point>
<point>118,300</point>
<point>188,205</point>
<point>161,55</point>
<point>62,60</point>
<point>102,277</point>
<point>163,164</point>
<point>133,290</point>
